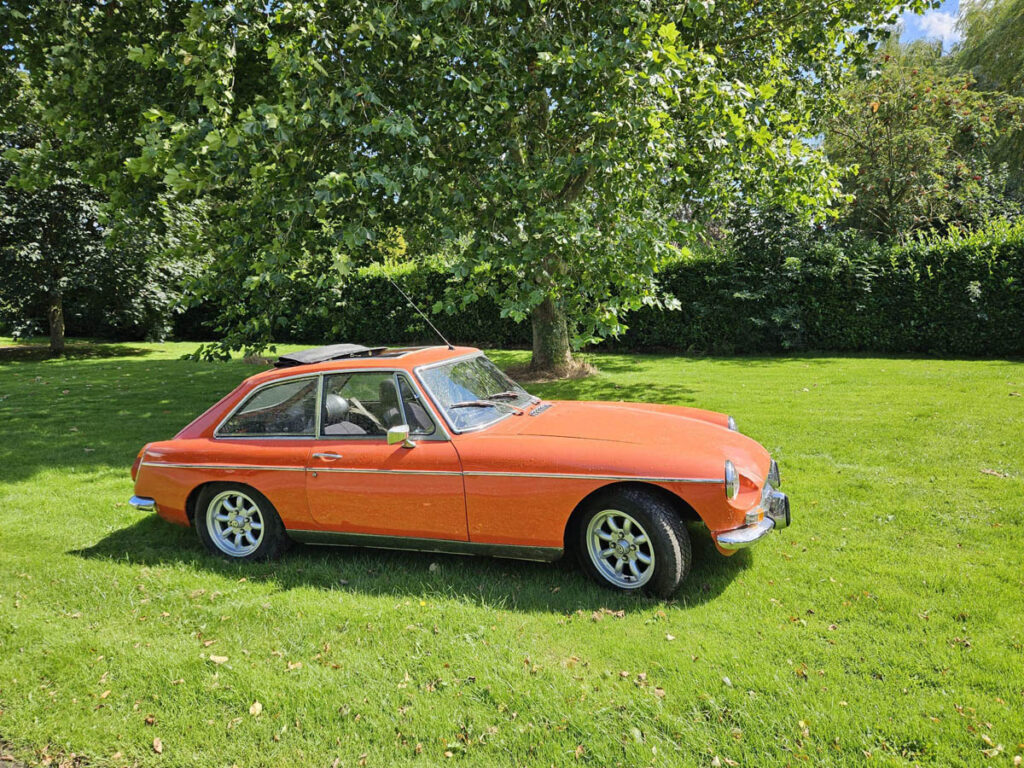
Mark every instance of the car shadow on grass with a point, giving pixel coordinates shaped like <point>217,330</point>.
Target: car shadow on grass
<point>559,587</point>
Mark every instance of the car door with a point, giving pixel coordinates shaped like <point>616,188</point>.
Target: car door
<point>357,483</point>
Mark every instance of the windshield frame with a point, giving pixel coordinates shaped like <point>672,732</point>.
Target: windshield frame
<point>444,411</point>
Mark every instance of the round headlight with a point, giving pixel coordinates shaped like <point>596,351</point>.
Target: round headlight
<point>732,480</point>
<point>732,424</point>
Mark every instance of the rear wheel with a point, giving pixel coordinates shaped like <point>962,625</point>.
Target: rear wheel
<point>238,522</point>
<point>631,540</point>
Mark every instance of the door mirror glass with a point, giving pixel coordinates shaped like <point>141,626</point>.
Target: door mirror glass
<point>400,434</point>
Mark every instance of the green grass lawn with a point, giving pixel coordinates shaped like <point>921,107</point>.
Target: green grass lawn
<point>885,627</point>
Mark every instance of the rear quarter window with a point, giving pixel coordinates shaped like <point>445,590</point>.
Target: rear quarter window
<point>285,409</point>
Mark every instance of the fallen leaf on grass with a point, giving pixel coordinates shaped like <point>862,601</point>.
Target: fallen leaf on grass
<point>993,472</point>
<point>150,720</point>
<point>104,694</point>
<point>218,659</point>
<point>255,709</point>
<point>659,692</point>
<point>158,746</point>
<point>670,638</point>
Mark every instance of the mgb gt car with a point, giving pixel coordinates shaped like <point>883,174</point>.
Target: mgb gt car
<point>436,449</point>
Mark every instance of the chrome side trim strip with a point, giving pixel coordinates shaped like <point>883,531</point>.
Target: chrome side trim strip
<point>357,470</point>
<point>446,546</point>
<point>172,465</point>
<point>561,476</point>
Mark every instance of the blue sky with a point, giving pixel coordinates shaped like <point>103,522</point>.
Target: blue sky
<point>937,24</point>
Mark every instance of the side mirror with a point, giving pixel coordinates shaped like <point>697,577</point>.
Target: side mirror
<point>400,434</point>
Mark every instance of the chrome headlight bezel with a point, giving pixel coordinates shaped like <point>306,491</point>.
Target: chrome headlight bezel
<point>732,480</point>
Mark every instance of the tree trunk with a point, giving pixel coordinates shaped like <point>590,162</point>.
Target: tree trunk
<point>56,323</point>
<point>551,351</point>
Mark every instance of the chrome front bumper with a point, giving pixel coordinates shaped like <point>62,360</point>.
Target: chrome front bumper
<point>774,505</point>
<point>142,504</point>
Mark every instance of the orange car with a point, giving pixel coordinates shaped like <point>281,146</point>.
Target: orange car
<point>435,449</point>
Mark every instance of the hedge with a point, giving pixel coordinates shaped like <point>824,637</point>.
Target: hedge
<point>962,294</point>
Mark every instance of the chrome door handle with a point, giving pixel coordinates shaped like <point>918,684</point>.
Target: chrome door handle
<point>327,456</point>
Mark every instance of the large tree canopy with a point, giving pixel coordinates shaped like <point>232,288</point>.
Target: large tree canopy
<point>563,137</point>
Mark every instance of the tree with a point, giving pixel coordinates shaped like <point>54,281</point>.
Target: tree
<point>49,230</point>
<point>993,43</point>
<point>61,256</point>
<point>992,50</point>
<point>563,137</point>
<point>917,137</point>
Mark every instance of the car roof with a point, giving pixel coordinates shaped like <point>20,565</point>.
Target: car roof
<point>404,358</point>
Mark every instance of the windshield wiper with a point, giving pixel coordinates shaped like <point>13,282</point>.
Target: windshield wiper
<point>483,403</point>
<point>506,395</point>
<point>512,395</point>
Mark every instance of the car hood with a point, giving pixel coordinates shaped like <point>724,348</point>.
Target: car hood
<point>680,431</point>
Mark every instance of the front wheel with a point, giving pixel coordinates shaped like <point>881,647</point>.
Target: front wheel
<point>238,522</point>
<point>630,539</point>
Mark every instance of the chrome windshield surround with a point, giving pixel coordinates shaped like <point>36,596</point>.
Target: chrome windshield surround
<point>443,411</point>
<point>440,434</point>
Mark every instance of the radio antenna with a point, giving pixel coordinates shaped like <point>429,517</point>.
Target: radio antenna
<point>425,318</point>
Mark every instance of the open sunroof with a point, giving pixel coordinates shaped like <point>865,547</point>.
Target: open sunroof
<point>323,354</point>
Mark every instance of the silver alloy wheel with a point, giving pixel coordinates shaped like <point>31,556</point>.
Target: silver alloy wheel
<point>620,549</point>
<point>235,523</point>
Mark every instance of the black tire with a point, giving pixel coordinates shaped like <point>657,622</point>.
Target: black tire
<point>271,545</point>
<point>667,541</point>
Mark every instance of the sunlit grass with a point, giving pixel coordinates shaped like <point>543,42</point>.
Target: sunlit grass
<point>885,627</point>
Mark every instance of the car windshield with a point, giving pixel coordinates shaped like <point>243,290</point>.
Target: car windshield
<point>473,392</point>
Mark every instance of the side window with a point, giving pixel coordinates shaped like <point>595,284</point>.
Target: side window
<point>416,410</point>
<point>360,404</point>
<point>285,409</point>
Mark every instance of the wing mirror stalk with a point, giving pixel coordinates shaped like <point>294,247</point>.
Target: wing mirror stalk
<point>400,434</point>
